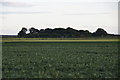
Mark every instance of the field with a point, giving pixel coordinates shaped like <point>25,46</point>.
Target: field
<point>89,39</point>
<point>60,59</point>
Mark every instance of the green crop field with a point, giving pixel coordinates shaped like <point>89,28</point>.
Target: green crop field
<point>93,59</point>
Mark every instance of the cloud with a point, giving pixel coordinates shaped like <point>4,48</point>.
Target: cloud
<point>85,13</point>
<point>11,7</point>
<point>25,12</point>
<point>14,4</point>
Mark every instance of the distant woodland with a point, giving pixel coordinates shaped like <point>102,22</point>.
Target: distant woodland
<point>60,33</point>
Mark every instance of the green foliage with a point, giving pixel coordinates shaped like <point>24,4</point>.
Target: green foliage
<point>60,33</point>
<point>22,33</point>
<point>100,32</point>
<point>60,60</point>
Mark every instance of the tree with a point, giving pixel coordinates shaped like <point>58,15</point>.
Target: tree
<point>22,33</point>
<point>48,30</point>
<point>34,33</point>
<point>100,32</point>
<point>60,33</point>
<point>33,30</point>
<point>84,33</point>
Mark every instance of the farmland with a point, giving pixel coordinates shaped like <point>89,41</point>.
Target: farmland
<point>59,59</point>
<point>86,39</point>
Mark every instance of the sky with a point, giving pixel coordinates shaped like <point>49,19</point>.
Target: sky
<point>41,14</point>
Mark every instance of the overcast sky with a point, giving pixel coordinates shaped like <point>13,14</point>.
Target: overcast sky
<point>41,14</point>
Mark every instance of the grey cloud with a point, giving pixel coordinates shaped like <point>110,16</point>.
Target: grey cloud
<point>85,13</point>
<point>25,12</point>
<point>15,4</point>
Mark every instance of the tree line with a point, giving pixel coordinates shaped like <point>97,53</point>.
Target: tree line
<point>60,33</point>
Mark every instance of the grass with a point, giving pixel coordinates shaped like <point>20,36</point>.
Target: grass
<point>92,39</point>
<point>60,59</point>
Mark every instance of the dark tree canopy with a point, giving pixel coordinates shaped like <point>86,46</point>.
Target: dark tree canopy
<point>22,33</point>
<point>33,30</point>
<point>100,32</point>
<point>60,33</point>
